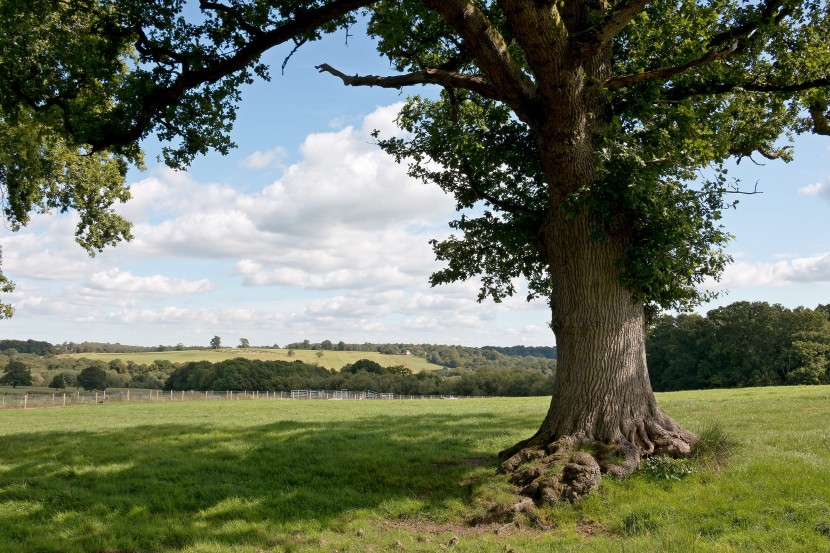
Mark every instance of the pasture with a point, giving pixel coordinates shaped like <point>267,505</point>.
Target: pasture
<point>330,359</point>
<point>253,477</point>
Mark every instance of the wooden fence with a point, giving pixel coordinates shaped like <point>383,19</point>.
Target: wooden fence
<point>36,400</point>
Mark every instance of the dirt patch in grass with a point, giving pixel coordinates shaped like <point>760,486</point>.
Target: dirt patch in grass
<point>444,532</point>
<point>588,528</point>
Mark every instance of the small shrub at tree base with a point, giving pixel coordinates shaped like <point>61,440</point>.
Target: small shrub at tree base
<point>663,467</point>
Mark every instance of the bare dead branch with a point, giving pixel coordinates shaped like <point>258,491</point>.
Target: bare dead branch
<point>735,190</point>
<point>297,44</point>
<point>449,79</point>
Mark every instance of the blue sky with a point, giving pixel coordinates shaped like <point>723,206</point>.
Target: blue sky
<point>308,231</point>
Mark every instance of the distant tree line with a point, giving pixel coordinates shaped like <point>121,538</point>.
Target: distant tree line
<point>742,344</point>
<point>255,374</point>
<point>548,352</point>
<point>28,346</point>
<point>104,347</point>
<point>64,372</point>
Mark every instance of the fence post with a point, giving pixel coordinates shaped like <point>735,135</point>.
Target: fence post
<point>96,397</point>
<point>64,399</point>
<point>128,394</point>
<point>26,400</point>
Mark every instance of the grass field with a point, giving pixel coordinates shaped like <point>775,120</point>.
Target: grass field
<point>330,359</point>
<point>257,477</point>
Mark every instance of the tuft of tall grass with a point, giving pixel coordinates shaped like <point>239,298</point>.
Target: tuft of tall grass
<point>715,446</point>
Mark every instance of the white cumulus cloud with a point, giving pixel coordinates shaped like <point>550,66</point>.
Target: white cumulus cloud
<point>803,270</point>
<point>114,280</point>
<point>821,189</point>
<point>262,160</point>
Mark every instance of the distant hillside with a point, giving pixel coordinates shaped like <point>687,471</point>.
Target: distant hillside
<point>417,357</point>
<point>326,359</point>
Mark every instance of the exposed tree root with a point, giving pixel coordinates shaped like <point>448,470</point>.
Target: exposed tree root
<point>566,469</point>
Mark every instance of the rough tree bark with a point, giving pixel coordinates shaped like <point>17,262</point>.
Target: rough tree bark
<point>603,416</point>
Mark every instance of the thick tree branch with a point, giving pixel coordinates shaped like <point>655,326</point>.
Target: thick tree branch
<point>620,15</point>
<point>163,96</point>
<point>680,93</point>
<point>770,12</point>
<point>541,31</point>
<point>159,54</point>
<point>665,73</point>
<point>473,83</point>
<point>233,12</point>
<point>489,48</point>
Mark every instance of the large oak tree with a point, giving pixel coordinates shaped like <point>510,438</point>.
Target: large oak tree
<point>584,141</point>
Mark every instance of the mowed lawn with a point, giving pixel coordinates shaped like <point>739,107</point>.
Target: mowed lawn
<point>329,359</point>
<point>372,476</point>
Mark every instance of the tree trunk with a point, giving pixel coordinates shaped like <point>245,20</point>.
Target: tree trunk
<point>603,416</point>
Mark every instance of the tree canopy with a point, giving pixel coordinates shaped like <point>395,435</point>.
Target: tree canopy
<point>680,89</point>
<point>741,344</point>
<point>16,374</point>
<point>92,378</point>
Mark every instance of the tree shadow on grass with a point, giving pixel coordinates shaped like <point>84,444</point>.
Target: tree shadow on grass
<point>164,487</point>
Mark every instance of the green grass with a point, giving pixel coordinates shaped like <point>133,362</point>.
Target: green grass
<point>330,359</point>
<point>222,477</point>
